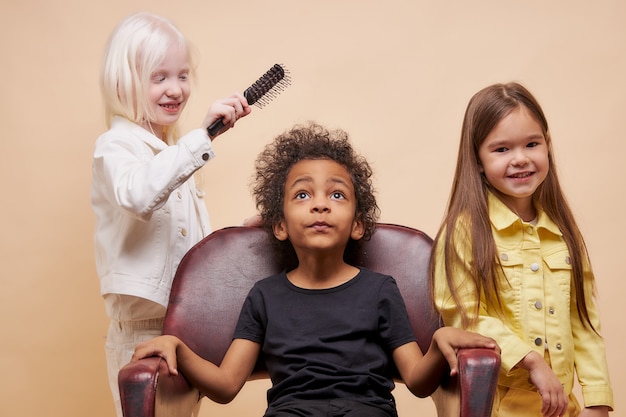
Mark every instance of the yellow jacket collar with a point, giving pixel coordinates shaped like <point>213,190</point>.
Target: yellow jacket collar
<point>503,217</point>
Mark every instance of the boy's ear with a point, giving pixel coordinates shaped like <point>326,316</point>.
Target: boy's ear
<point>280,231</point>
<point>358,229</point>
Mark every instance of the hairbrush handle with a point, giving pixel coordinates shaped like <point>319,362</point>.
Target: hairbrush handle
<point>260,93</point>
<point>215,127</point>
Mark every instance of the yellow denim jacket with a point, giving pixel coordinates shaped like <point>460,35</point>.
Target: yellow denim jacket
<point>536,296</point>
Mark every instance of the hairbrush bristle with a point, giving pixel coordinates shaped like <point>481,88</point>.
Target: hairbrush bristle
<point>272,83</point>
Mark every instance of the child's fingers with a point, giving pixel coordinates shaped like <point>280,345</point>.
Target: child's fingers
<point>229,110</point>
<point>553,398</point>
<point>554,404</point>
<point>450,340</point>
<point>142,350</point>
<point>479,341</point>
<point>171,363</point>
<point>152,348</point>
<point>233,110</point>
<point>238,102</point>
<point>490,343</point>
<point>449,354</point>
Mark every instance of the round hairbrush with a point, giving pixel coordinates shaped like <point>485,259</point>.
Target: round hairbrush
<point>261,92</point>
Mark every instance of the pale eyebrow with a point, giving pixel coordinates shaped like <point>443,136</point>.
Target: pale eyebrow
<point>164,71</point>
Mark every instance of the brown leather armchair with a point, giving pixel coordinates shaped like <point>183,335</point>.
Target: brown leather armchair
<point>214,278</point>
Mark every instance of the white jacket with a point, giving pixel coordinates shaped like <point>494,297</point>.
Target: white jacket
<point>148,210</point>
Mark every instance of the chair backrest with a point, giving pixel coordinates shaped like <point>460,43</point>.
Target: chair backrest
<point>215,276</point>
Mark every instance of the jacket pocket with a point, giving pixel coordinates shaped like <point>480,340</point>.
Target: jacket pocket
<point>560,270</point>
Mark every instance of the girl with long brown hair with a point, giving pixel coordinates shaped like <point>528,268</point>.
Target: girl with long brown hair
<point>511,263</point>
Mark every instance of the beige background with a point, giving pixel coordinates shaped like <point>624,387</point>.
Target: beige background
<point>396,74</point>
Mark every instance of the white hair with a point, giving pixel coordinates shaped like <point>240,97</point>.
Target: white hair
<point>137,46</point>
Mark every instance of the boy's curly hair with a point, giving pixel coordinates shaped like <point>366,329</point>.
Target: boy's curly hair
<point>304,142</point>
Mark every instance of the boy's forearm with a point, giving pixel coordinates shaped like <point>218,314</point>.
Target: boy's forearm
<point>420,374</point>
<point>428,373</point>
<point>203,374</point>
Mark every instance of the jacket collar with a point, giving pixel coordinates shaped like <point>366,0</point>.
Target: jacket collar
<point>144,135</point>
<point>502,217</point>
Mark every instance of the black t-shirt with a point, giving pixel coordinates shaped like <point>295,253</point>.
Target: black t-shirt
<point>330,343</point>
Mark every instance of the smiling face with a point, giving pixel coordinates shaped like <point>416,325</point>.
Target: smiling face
<point>169,89</point>
<point>514,159</point>
<point>319,208</point>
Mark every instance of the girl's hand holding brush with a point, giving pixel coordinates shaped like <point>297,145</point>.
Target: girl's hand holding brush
<point>228,110</point>
<point>261,92</point>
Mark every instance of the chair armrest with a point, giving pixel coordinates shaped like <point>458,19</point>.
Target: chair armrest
<point>472,391</point>
<point>478,376</point>
<point>148,390</point>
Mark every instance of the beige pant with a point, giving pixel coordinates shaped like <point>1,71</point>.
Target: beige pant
<point>121,340</point>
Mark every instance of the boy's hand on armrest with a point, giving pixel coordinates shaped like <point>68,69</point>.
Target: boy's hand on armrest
<point>448,340</point>
<point>161,346</point>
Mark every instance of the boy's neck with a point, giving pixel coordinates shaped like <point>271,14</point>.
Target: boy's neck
<point>321,274</point>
